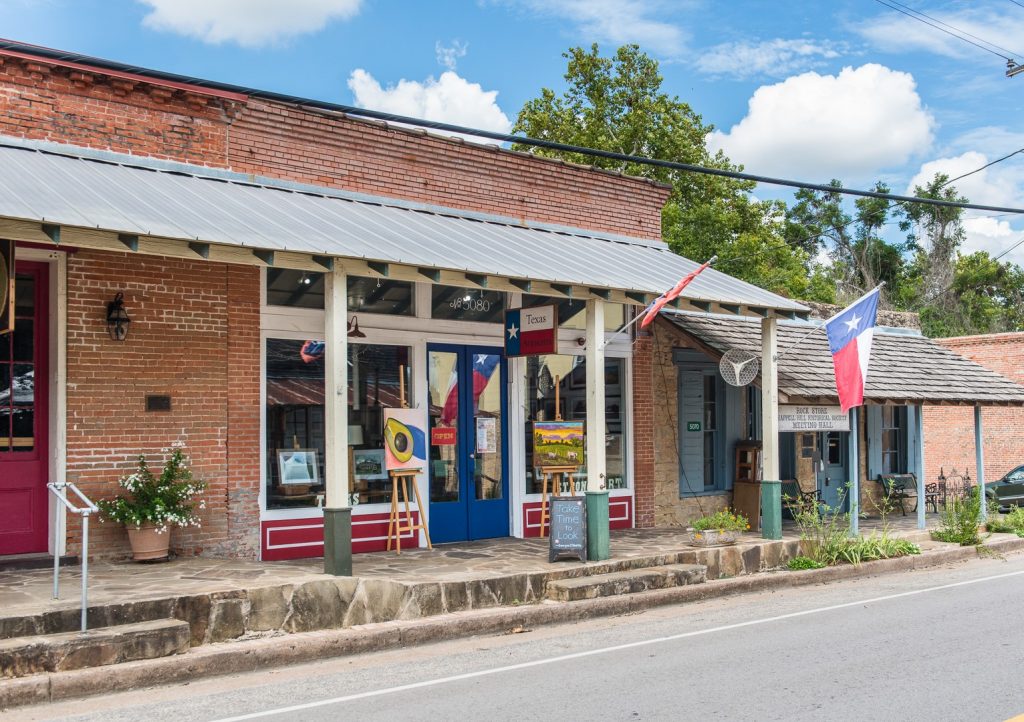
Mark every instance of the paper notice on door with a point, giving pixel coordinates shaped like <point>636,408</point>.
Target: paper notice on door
<point>486,435</point>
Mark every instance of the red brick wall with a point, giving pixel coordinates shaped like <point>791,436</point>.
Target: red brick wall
<point>52,103</point>
<point>194,336</point>
<point>643,430</point>
<point>949,430</point>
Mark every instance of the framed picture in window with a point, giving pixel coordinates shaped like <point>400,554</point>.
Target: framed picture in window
<point>298,466</point>
<point>368,464</point>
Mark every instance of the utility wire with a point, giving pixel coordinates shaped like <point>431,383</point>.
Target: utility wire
<point>952,27</point>
<point>321,105</point>
<point>1017,3</point>
<point>942,29</point>
<point>987,165</point>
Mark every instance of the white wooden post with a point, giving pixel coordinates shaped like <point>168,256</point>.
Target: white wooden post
<point>338,510</point>
<point>771,487</point>
<point>922,508</point>
<point>598,543</point>
<point>854,471</point>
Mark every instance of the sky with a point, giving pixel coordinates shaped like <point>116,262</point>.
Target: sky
<point>803,89</point>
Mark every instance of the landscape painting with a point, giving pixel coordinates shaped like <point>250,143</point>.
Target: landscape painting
<point>557,443</point>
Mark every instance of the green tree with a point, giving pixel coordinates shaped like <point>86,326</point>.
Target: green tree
<point>617,104</point>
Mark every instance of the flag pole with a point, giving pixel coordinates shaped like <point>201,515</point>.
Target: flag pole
<point>823,324</point>
<point>641,314</point>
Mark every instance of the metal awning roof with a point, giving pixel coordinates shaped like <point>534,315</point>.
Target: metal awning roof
<point>128,197</point>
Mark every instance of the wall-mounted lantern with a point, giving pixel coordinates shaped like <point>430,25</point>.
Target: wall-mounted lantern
<point>117,318</point>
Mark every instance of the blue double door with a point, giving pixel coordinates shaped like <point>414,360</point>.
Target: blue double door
<point>468,443</point>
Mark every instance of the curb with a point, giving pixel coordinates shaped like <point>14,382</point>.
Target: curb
<point>248,656</point>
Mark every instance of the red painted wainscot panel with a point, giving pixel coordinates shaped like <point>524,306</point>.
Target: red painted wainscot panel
<point>304,538</point>
<point>620,515</point>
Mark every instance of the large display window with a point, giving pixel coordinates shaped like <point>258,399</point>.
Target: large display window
<point>295,431</point>
<point>569,374</point>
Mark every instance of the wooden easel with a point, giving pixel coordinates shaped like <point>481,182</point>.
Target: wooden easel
<point>554,476</point>
<point>403,479</point>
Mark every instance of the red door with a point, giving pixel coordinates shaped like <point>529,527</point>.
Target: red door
<point>24,439</point>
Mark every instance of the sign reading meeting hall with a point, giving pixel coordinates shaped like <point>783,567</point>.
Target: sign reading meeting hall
<point>813,418</point>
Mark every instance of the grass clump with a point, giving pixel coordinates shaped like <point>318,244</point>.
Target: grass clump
<point>1012,523</point>
<point>960,520</point>
<point>799,563</point>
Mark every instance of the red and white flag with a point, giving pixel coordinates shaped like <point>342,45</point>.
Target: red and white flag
<point>849,336</point>
<point>672,293</point>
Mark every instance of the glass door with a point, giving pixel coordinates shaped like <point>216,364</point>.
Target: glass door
<point>468,459</point>
<point>832,476</point>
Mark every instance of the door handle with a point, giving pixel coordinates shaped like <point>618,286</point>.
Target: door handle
<point>826,481</point>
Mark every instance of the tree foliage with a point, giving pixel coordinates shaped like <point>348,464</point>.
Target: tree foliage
<point>617,104</point>
<point>820,248</point>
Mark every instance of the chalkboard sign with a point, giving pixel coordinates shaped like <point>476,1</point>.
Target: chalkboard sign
<point>568,528</point>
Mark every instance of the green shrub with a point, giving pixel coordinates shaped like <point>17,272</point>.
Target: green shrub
<point>166,500</point>
<point>824,530</point>
<point>798,563</point>
<point>877,546</point>
<point>960,519</point>
<point>1012,523</point>
<point>724,520</point>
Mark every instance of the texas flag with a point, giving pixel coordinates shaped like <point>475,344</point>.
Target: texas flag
<point>849,336</point>
<point>484,365</point>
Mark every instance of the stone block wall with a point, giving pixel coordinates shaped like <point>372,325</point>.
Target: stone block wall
<point>194,336</point>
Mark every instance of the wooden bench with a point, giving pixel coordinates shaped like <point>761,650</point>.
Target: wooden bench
<point>901,488</point>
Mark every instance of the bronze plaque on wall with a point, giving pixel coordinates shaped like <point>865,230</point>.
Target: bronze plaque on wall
<point>6,286</point>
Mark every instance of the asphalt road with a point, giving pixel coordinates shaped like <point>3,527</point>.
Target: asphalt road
<point>941,644</point>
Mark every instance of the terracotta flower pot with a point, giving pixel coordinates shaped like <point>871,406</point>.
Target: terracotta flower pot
<point>147,544</point>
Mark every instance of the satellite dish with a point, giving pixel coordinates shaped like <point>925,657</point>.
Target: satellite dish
<point>738,367</point>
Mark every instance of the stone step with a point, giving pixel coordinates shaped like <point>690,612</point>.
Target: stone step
<point>21,656</point>
<point>631,581</point>
<point>21,562</point>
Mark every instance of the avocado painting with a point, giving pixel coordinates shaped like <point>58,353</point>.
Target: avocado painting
<point>405,439</point>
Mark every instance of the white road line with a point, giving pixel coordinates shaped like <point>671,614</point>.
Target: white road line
<point>606,650</point>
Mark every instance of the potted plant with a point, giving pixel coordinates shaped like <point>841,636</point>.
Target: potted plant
<point>154,504</point>
<point>722,527</point>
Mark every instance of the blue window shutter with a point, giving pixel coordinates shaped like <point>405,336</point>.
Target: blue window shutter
<point>874,441</point>
<point>691,444</point>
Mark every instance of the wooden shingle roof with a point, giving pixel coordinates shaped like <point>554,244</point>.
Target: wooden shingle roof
<point>905,368</point>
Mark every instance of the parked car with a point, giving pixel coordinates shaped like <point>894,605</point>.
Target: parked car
<point>1009,490</point>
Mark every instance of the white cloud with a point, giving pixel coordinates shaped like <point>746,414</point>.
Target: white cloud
<point>772,58</point>
<point>816,127</point>
<point>448,55</point>
<point>618,22</point>
<point>448,99</point>
<point>999,185</point>
<point>250,23</point>
<point>896,32</point>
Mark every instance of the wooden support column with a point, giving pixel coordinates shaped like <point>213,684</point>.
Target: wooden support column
<point>771,486</point>
<point>979,458</point>
<point>338,510</point>
<point>598,542</point>
<point>854,471</point>
<point>922,508</point>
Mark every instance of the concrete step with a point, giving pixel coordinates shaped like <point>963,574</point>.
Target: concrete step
<point>627,582</point>
<point>22,656</point>
<point>20,562</point>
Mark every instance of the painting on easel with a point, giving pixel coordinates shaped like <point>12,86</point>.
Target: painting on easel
<point>405,439</point>
<point>558,443</point>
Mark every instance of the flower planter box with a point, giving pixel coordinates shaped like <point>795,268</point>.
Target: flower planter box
<point>713,537</point>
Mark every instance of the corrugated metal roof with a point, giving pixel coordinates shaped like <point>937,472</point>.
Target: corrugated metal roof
<point>904,368</point>
<point>125,196</point>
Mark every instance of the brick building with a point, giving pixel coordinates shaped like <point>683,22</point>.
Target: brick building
<point>264,247</point>
<point>949,431</point>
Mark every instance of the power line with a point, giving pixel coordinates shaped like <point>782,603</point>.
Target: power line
<point>952,27</point>
<point>987,165</point>
<point>321,105</point>
<point>944,30</point>
<point>1017,3</point>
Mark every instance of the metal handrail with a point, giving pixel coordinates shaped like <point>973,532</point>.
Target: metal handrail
<point>58,489</point>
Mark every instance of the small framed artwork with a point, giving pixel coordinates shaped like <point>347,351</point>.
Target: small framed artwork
<point>368,464</point>
<point>298,466</point>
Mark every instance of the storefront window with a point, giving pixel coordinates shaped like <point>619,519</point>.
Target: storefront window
<point>572,313</point>
<point>295,472</point>
<point>467,304</point>
<point>569,373</point>
<point>305,289</point>
<point>894,435</point>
